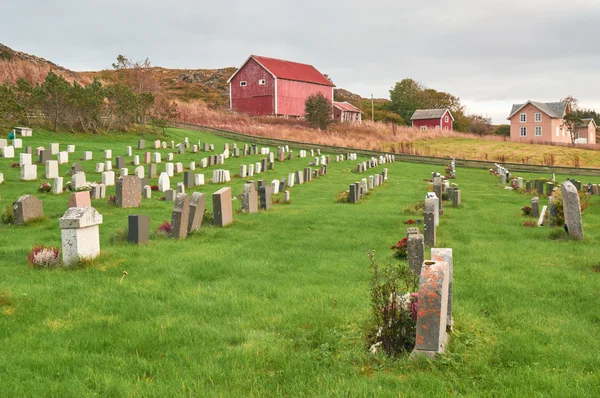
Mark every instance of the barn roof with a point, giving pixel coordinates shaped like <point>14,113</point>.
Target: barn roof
<point>346,106</point>
<point>421,114</point>
<point>289,70</point>
<point>556,110</point>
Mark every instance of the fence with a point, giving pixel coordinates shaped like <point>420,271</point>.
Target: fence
<point>404,157</point>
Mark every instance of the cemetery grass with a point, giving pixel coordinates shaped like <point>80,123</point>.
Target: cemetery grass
<point>278,302</point>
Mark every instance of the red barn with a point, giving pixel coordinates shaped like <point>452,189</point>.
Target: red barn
<point>346,112</point>
<point>440,119</point>
<point>268,86</point>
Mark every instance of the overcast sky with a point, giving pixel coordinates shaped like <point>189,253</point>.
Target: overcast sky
<point>489,53</point>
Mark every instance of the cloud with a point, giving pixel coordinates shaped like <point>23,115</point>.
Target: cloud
<point>488,53</point>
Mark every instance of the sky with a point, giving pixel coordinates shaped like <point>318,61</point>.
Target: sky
<point>491,54</point>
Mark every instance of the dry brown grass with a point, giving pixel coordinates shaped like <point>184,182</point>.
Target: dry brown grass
<point>13,70</point>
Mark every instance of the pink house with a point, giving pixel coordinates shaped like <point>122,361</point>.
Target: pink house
<point>440,119</point>
<point>539,121</point>
<point>586,134</point>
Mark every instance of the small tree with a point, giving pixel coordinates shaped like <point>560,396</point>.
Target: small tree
<point>572,120</point>
<point>318,111</point>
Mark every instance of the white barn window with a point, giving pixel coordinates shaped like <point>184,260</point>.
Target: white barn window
<point>262,82</point>
<point>243,83</point>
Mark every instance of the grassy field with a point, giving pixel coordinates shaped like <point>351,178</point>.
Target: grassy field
<point>277,303</point>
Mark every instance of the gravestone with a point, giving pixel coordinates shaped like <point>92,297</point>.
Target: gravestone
<point>78,180</point>
<point>108,165</point>
<point>415,249</point>
<point>291,179</point>
<point>164,182</point>
<point>51,169</point>
<point>429,229</point>
<point>354,193</point>
<point>169,168</point>
<point>286,196</point>
<point>456,197</point>
<point>188,179</point>
<point>170,195</point>
<point>180,188</point>
<point>87,155</point>
<point>80,234</point>
<point>80,199</point>
<point>108,178</point>
<point>152,170</point>
<point>139,172</point>
<point>57,185</point>
<point>572,209</point>
<point>180,216</point>
<point>431,205</point>
<point>129,192</point>
<point>147,192</point>
<point>437,188</point>
<point>199,179</point>
<point>275,187</point>
<point>445,256</point>
<point>535,206</point>
<point>75,168</point>
<point>27,208</point>
<point>139,229</point>
<point>433,309</point>
<point>29,172</point>
<point>265,197</point>
<point>250,198</point>
<point>8,152</point>
<point>222,207</point>
<point>197,207</point>
<point>25,159</point>
<point>45,155</point>
<point>119,162</point>
<point>141,144</point>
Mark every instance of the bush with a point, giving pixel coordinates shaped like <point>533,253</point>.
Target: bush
<point>112,200</point>
<point>45,188</point>
<point>208,218</point>
<point>399,248</point>
<point>318,111</point>
<point>527,210</point>
<point>342,197</point>
<point>164,228</point>
<point>394,304</point>
<point>44,257</point>
<point>8,216</point>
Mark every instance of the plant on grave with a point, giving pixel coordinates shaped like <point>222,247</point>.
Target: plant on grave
<point>8,217</point>
<point>410,222</point>
<point>154,187</point>
<point>112,200</point>
<point>445,196</point>
<point>45,188</point>
<point>530,224</point>
<point>342,197</point>
<point>415,208</point>
<point>44,257</point>
<point>400,250</point>
<point>15,165</point>
<point>208,218</point>
<point>164,228</point>
<point>394,304</point>
<point>527,210</point>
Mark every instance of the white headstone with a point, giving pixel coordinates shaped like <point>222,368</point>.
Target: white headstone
<point>156,158</point>
<point>8,152</point>
<point>17,143</point>
<point>99,167</point>
<point>87,155</point>
<point>70,148</point>
<point>136,160</point>
<point>63,157</point>
<point>199,179</point>
<point>108,165</point>
<point>108,178</point>
<point>164,182</point>
<point>139,172</point>
<point>51,169</point>
<point>78,180</point>
<point>169,169</point>
<point>108,154</point>
<point>24,158</point>
<point>29,172</point>
<point>57,186</point>
<point>80,234</point>
<point>54,148</point>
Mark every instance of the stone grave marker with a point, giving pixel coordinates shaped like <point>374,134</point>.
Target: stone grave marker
<point>139,229</point>
<point>572,209</point>
<point>180,216</point>
<point>78,180</point>
<point>197,208</point>
<point>250,198</point>
<point>129,192</point>
<point>80,199</point>
<point>29,172</point>
<point>415,248</point>
<point>108,178</point>
<point>80,234</point>
<point>51,169</point>
<point>222,207</point>
<point>57,186</point>
<point>265,197</point>
<point>164,182</point>
<point>27,208</point>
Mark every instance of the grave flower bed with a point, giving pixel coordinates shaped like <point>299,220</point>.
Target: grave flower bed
<point>527,210</point>
<point>44,257</point>
<point>112,200</point>
<point>400,248</point>
<point>164,228</point>
<point>410,222</point>
<point>45,188</point>
<point>154,187</point>
<point>14,165</point>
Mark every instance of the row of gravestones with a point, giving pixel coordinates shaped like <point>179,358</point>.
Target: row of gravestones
<point>374,162</point>
<point>360,188</point>
<point>571,210</point>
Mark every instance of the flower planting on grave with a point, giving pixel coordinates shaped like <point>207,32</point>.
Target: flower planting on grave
<point>400,248</point>
<point>527,210</point>
<point>415,208</point>
<point>410,222</point>
<point>394,305</point>
<point>8,216</point>
<point>15,165</point>
<point>112,200</point>
<point>342,197</point>
<point>45,188</point>
<point>154,187</point>
<point>164,228</point>
<point>530,224</point>
<point>44,257</point>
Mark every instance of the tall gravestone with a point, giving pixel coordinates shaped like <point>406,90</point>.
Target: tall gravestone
<point>572,209</point>
<point>197,208</point>
<point>429,231</point>
<point>445,255</point>
<point>222,207</point>
<point>415,250</point>
<point>180,216</point>
<point>265,197</point>
<point>129,192</point>
<point>250,198</point>
<point>139,229</point>
<point>80,234</point>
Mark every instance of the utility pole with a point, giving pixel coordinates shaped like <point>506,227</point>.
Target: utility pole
<point>372,110</point>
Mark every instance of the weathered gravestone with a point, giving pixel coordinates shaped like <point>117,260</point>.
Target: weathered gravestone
<point>164,182</point>
<point>432,205</point>
<point>80,199</point>
<point>445,255</point>
<point>197,207</point>
<point>572,209</point>
<point>129,192</point>
<point>29,172</point>
<point>433,309</point>
<point>80,234</point>
<point>222,207</point>
<point>429,229</point>
<point>27,208</point>
<point>180,216</point>
<point>249,198</point>
<point>535,206</point>
<point>265,197</point>
<point>415,250</point>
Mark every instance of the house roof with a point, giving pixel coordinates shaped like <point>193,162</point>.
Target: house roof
<point>289,70</point>
<point>421,114</point>
<point>347,107</point>
<point>556,110</point>
<point>589,120</point>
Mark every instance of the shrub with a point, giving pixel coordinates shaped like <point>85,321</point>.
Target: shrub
<point>527,210</point>
<point>8,216</point>
<point>45,188</point>
<point>44,257</point>
<point>410,222</point>
<point>415,208</point>
<point>342,197</point>
<point>154,187</point>
<point>394,304</point>
<point>112,200</point>
<point>400,248</point>
<point>164,228</point>
<point>208,218</point>
<point>530,224</point>
<point>15,165</point>
<point>558,233</point>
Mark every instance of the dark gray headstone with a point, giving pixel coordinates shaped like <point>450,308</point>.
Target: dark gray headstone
<point>27,208</point>
<point>139,229</point>
<point>180,217</point>
<point>265,197</point>
<point>197,207</point>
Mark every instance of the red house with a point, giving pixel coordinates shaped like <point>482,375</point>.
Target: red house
<point>346,112</point>
<point>440,119</point>
<point>268,86</point>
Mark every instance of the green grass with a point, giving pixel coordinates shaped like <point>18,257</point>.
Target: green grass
<point>248,310</point>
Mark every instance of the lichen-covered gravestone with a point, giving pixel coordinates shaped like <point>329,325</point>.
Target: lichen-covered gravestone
<point>445,255</point>
<point>27,208</point>
<point>80,234</point>
<point>433,309</point>
<point>572,209</point>
<point>415,250</point>
<point>129,192</point>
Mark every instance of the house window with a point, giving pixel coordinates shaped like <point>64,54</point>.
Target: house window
<point>523,117</point>
<point>445,127</point>
<point>446,119</point>
<point>557,131</point>
<point>437,127</point>
<point>262,82</point>
<point>538,117</point>
<point>243,83</point>
<point>538,130</point>
<point>523,131</point>
<point>423,128</point>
